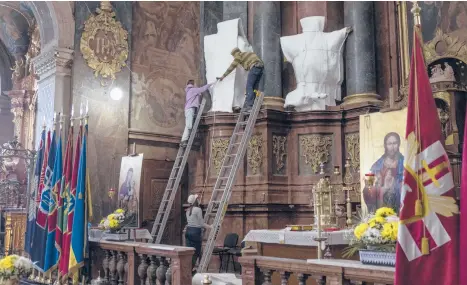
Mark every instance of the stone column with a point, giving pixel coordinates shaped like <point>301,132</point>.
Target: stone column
<point>360,75</point>
<point>53,67</point>
<point>266,44</point>
<point>234,10</point>
<point>209,15</point>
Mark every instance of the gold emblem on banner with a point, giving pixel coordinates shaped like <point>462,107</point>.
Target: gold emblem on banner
<point>104,43</point>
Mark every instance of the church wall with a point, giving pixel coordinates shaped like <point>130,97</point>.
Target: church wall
<point>108,119</point>
<point>165,56</point>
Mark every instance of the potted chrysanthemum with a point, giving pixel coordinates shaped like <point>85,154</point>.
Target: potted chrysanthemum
<point>375,238</point>
<point>13,268</point>
<point>113,222</point>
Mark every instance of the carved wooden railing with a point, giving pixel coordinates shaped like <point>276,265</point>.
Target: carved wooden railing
<point>131,263</point>
<point>260,269</point>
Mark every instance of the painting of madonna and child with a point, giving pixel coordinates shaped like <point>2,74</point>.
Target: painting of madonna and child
<point>382,148</point>
<point>129,189</point>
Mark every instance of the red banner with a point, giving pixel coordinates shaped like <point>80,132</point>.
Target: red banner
<point>427,246</point>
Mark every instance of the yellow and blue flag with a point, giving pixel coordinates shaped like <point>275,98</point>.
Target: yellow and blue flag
<point>34,186</point>
<point>51,252</point>
<point>79,228</point>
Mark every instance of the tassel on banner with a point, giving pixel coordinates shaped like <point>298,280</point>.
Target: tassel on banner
<point>425,246</point>
<point>418,208</point>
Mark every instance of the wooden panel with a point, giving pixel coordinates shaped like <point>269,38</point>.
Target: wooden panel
<point>155,176</point>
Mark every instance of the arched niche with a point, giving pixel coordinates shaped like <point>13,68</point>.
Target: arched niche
<point>446,60</point>
<point>53,65</point>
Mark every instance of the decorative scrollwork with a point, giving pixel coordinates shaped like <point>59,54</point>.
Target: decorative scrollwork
<point>255,155</point>
<point>219,148</point>
<point>352,144</point>
<point>278,150</point>
<point>104,43</point>
<point>454,48</point>
<point>316,149</point>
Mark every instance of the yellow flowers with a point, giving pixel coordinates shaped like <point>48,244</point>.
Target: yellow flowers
<point>376,222</point>
<point>113,221</point>
<point>8,263</point>
<point>390,231</point>
<point>14,266</point>
<point>385,212</point>
<point>360,230</point>
<point>378,229</point>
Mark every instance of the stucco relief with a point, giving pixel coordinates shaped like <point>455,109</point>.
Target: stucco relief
<point>165,42</point>
<point>45,106</point>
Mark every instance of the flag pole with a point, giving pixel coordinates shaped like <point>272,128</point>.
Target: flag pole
<point>419,208</point>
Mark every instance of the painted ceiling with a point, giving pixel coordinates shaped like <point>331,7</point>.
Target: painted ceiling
<point>15,20</point>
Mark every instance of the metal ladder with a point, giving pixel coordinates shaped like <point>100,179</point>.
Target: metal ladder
<point>174,181</point>
<point>225,180</point>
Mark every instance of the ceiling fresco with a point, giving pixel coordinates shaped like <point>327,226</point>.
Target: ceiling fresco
<point>15,20</point>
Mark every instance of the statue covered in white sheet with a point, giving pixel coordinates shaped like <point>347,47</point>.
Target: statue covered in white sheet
<point>318,64</point>
<point>228,94</point>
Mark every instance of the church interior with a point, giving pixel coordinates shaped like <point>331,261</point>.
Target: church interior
<point>119,120</point>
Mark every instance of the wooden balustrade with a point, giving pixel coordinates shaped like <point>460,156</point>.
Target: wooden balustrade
<point>259,270</point>
<point>131,263</point>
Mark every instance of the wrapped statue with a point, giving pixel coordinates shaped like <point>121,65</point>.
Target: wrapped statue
<point>318,64</point>
<point>228,94</point>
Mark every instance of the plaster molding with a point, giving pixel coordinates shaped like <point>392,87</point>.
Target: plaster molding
<point>56,60</point>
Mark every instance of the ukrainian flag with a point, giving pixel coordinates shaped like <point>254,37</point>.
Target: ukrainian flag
<point>79,235</point>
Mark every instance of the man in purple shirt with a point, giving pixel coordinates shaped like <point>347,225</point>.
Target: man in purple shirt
<point>193,95</point>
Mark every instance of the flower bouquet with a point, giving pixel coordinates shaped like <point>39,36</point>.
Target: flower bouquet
<point>113,222</point>
<point>375,238</point>
<point>14,267</point>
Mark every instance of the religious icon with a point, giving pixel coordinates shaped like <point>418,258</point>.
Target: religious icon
<point>381,154</point>
<point>388,171</point>
<point>129,188</point>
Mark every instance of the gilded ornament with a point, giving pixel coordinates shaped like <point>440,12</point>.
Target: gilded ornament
<point>316,149</point>
<point>352,144</point>
<point>278,150</point>
<point>218,149</point>
<point>255,155</point>
<point>453,47</point>
<point>104,43</point>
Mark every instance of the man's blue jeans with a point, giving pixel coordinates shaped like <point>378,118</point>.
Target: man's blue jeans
<point>252,84</point>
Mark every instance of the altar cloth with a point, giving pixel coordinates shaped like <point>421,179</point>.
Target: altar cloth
<point>97,235</point>
<point>305,238</point>
<point>217,279</point>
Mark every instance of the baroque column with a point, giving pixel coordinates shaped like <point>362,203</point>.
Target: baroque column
<point>360,53</point>
<point>266,44</point>
<point>53,67</point>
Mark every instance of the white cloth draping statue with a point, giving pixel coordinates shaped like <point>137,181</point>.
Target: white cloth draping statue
<point>318,64</point>
<point>230,92</point>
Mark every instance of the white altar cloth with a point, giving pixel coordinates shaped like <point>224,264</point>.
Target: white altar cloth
<point>97,235</point>
<point>217,279</point>
<point>297,238</point>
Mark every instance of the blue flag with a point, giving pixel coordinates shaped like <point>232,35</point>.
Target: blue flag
<point>51,252</point>
<point>78,234</point>
<point>34,185</point>
<point>40,229</point>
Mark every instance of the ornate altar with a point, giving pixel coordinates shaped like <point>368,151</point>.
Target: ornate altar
<point>15,172</point>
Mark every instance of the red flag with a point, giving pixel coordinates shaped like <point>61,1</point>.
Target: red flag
<point>65,257</point>
<point>427,246</point>
<point>463,223</point>
<point>44,167</point>
<point>64,200</point>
